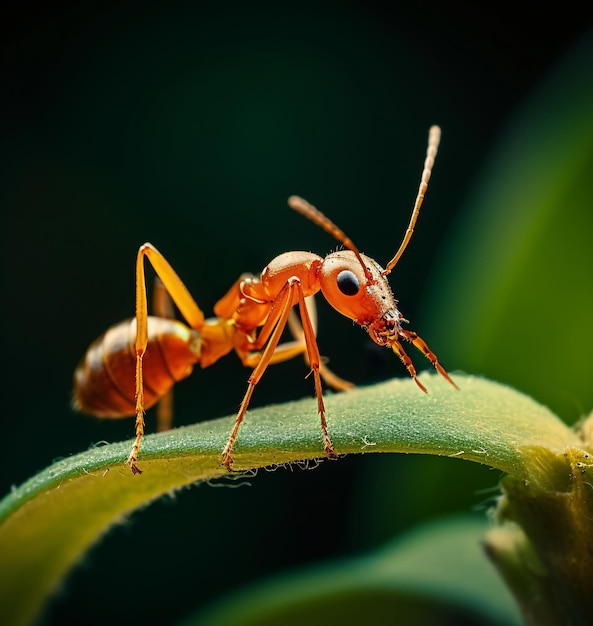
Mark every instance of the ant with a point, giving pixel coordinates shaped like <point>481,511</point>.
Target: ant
<point>250,319</point>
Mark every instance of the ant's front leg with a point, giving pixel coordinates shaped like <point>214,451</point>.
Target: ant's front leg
<point>272,331</point>
<point>272,328</point>
<point>420,344</point>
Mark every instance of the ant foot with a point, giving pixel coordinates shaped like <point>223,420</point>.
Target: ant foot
<point>131,463</point>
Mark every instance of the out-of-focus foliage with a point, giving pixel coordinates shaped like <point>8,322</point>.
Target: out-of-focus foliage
<point>512,295</point>
<point>435,574</point>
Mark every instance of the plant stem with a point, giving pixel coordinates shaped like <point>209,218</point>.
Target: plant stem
<point>544,549</point>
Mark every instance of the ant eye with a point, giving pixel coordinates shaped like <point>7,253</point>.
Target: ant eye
<point>348,283</point>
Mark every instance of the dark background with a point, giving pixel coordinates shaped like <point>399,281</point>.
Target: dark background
<point>188,125</point>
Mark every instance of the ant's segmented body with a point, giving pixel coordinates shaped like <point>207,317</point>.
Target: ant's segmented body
<point>158,351</point>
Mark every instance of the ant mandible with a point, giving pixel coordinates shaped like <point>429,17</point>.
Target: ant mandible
<point>250,319</point>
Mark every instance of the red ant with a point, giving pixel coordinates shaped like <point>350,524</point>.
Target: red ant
<point>250,320</point>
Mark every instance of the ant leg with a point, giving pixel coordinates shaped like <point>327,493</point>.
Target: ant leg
<point>428,353</point>
<point>188,308</point>
<point>330,379</point>
<point>315,363</point>
<point>397,347</point>
<point>273,329</point>
<point>227,306</point>
<point>284,352</point>
<point>291,349</point>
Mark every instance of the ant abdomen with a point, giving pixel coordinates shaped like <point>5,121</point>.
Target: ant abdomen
<point>104,381</point>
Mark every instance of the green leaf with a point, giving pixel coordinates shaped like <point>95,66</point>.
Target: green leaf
<point>436,574</point>
<point>48,522</point>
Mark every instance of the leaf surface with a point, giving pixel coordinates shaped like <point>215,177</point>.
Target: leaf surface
<point>47,523</point>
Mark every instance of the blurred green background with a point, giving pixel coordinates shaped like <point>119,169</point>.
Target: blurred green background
<point>188,125</point>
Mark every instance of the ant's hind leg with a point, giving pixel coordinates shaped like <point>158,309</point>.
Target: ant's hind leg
<point>189,309</point>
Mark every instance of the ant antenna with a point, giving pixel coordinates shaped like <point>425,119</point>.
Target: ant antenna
<point>315,215</point>
<point>434,137</point>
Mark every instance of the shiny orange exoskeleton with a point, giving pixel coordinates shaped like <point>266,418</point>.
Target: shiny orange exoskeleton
<point>136,363</point>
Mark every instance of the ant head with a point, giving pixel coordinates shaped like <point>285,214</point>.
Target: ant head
<point>354,285</point>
